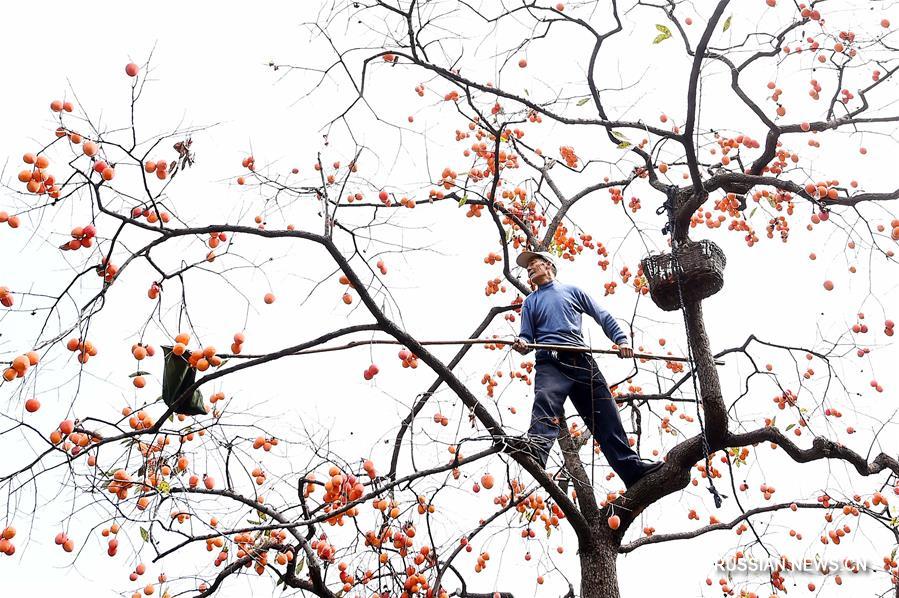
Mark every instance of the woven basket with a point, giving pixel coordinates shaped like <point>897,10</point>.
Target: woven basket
<point>701,265</point>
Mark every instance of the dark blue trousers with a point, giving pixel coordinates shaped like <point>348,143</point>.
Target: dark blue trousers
<point>576,375</point>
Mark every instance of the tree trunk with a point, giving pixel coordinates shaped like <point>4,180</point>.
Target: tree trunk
<point>599,571</point>
<point>713,407</point>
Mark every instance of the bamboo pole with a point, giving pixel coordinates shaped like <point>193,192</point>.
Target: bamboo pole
<point>480,341</point>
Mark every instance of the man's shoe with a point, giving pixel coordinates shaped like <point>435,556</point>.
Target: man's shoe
<point>653,466</point>
<point>650,467</point>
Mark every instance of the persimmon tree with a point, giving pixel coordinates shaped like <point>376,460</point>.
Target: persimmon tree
<point>531,125</point>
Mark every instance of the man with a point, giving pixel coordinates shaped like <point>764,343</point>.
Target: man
<point>552,315</point>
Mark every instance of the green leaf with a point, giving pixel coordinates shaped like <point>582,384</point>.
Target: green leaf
<point>665,34</point>
<point>752,213</point>
<point>144,535</point>
<point>463,201</point>
<point>300,564</point>
<point>164,487</point>
<point>622,138</point>
<point>582,101</point>
<point>727,23</point>
<point>790,427</point>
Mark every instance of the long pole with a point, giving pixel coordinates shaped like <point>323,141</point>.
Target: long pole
<point>494,341</point>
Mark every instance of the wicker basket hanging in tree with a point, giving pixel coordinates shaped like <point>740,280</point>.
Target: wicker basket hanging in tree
<point>701,265</point>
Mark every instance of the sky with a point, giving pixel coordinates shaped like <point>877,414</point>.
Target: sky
<point>208,68</point>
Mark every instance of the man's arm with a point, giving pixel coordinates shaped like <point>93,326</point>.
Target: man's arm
<point>609,326</point>
<point>526,331</point>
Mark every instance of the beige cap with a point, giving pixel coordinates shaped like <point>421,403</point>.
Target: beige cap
<point>525,257</point>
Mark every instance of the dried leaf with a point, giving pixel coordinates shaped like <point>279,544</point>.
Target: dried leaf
<point>177,377</point>
<point>727,23</point>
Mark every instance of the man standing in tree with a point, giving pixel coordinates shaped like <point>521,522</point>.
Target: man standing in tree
<point>552,315</point>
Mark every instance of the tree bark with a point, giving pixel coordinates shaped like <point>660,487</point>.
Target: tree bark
<point>599,571</point>
<point>713,408</point>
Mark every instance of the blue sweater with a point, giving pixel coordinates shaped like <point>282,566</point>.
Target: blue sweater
<point>552,315</point>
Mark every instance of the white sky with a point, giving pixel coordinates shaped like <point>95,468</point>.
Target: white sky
<point>208,67</point>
